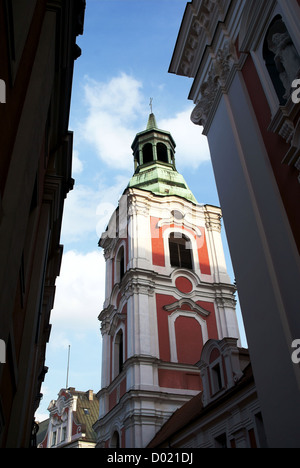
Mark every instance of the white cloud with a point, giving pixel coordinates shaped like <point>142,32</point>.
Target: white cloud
<point>115,110</point>
<point>79,220</point>
<point>77,165</point>
<point>191,146</point>
<point>113,107</point>
<point>80,291</point>
<point>40,417</point>
<point>120,96</point>
<point>88,209</point>
<point>109,202</point>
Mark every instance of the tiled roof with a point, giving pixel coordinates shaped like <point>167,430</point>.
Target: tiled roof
<point>87,413</point>
<point>43,428</point>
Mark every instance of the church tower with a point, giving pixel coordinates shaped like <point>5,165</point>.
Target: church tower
<point>167,293</point>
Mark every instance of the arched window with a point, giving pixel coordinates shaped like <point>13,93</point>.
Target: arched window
<point>162,153</point>
<point>115,440</point>
<point>180,251</point>
<point>121,356</point>
<point>147,153</point>
<point>120,264</point>
<point>281,58</point>
<point>216,376</point>
<point>118,353</point>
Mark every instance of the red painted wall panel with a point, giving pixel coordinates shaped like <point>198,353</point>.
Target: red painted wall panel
<point>286,176</point>
<point>189,341</point>
<point>211,320</point>
<point>203,254</point>
<point>112,399</point>
<point>123,438</point>
<point>163,327</point>
<point>123,387</point>
<point>168,378</point>
<point>158,254</point>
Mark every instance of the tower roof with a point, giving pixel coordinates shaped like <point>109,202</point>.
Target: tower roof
<point>151,122</point>
<point>155,170</point>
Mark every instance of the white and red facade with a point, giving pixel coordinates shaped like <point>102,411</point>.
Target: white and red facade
<point>160,315</point>
<point>70,420</point>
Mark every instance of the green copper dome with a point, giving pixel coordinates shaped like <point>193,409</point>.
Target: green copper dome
<point>154,157</point>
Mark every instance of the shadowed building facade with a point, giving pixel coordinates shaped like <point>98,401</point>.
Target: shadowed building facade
<point>243,57</point>
<point>38,50</point>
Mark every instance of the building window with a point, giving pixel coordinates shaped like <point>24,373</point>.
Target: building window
<point>64,434</point>
<point>121,357</point>
<point>180,251</point>
<point>54,438</point>
<point>147,153</point>
<point>120,264</point>
<point>281,58</point>
<point>119,353</point>
<point>162,153</point>
<point>221,441</point>
<point>216,375</point>
<point>252,439</point>
<point>115,440</point>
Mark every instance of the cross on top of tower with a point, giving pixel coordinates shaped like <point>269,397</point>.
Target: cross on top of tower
<point>151,105</point>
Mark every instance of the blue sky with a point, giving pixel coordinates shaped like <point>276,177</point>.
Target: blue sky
<point>127,48</point>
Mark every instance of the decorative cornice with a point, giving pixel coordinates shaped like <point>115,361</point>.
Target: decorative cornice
<point>108,244</point>
<point>226,302</point>
<point>198,28</point>
<point>183,222</point>
<point>213,221</point>
<point>226,58</point>
<point>117,318</point>
<point>139,287</point>
<point>107,312</point>
<point>136,205</point>
<point>208,89</point>
<point>286,123</point>
<point>187,302</point>
<point>216,82</point>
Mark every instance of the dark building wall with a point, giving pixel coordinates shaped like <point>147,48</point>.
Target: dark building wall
<point>37,56</point>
